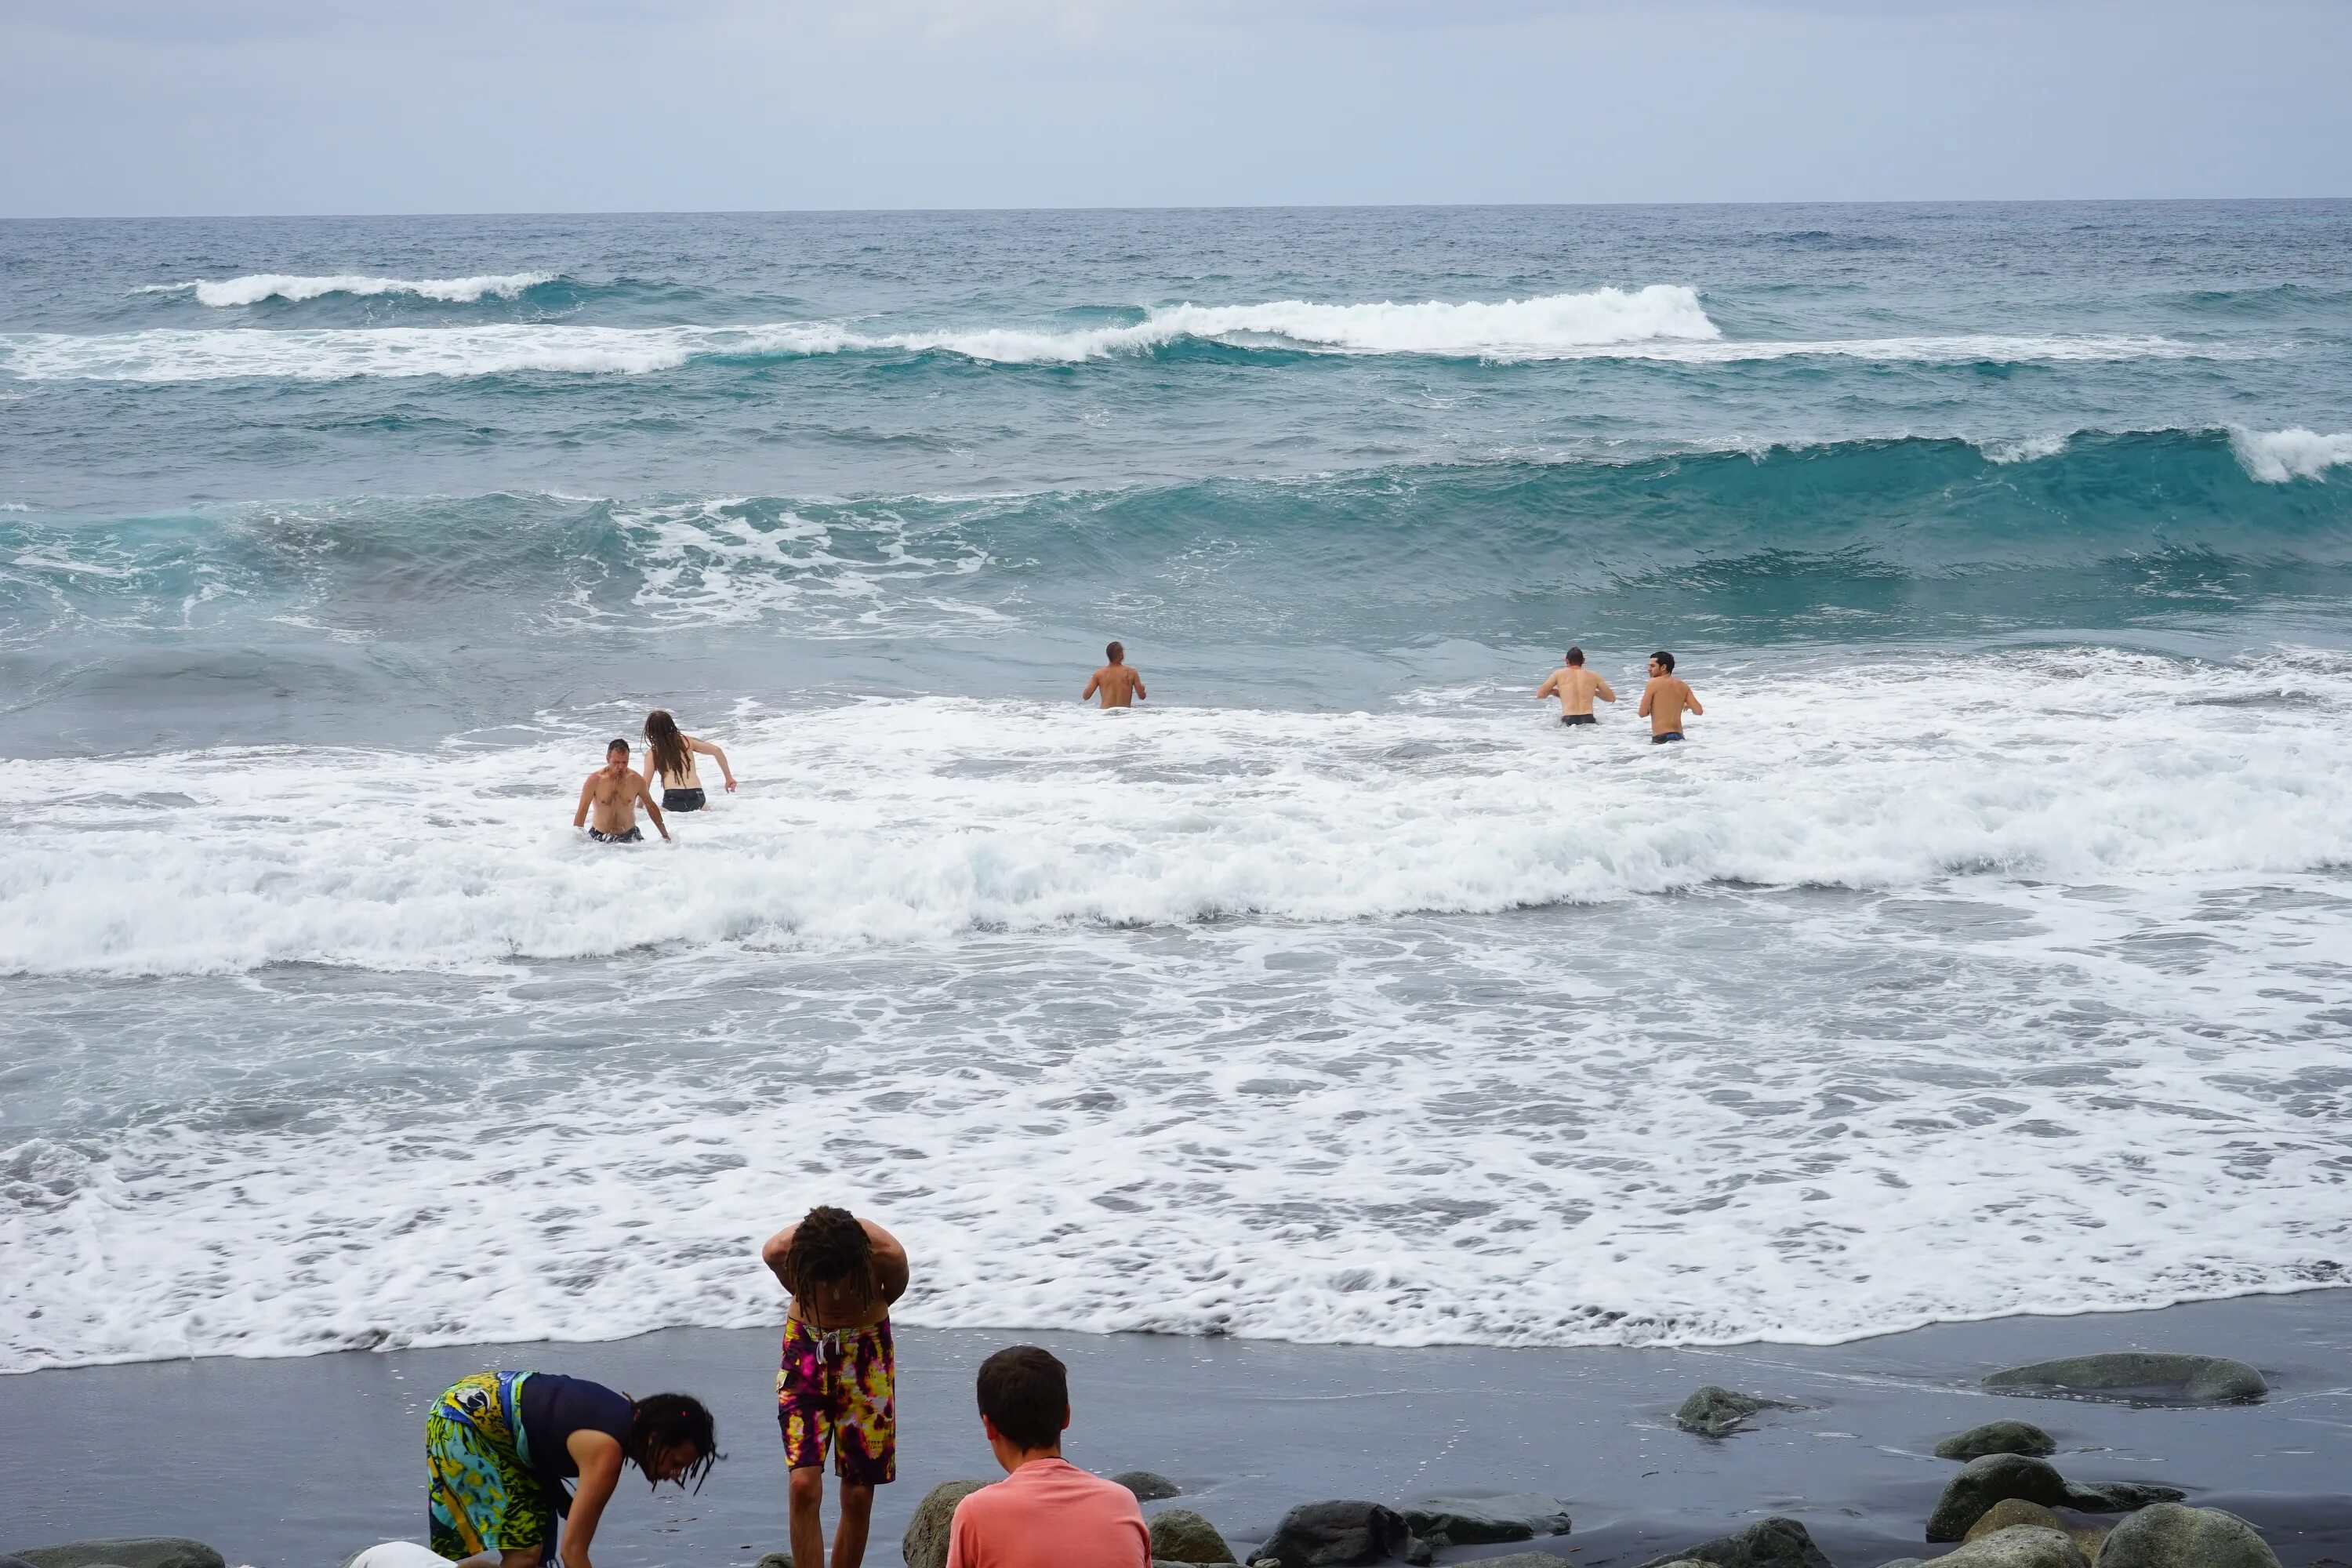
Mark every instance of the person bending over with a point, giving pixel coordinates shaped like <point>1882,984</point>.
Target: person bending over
<point>614,792</point>
<point>1576,687</point>
<point>669,757</point>
<point>1046,1512</point>
<point>499,1447</point>
<point>1666,698</point>
<point>835,1387</point>
<point>1119,685</point>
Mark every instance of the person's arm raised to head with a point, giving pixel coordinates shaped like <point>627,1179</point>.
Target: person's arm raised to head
<point>890,1270</point>
<point>587,792</point>
<point>598,1455</point>
<point>715,754</point>
<point>772,1253</point>
<point>1601,688</point>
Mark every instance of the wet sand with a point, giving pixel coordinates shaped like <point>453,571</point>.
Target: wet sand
<point>296,1463</point>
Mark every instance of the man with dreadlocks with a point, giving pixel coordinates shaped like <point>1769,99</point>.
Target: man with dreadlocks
<point>499,1447</point>
<point>835,1387</point>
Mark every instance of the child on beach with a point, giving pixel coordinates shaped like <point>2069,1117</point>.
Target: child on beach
<point>834,1387</point>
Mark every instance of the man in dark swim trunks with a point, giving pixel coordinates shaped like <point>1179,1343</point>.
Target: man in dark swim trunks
<point>1666,698</point>
<point>1576,687</point>
<point>614,793</point>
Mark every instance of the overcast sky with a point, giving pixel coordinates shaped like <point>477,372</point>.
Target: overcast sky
<point>315,106</point>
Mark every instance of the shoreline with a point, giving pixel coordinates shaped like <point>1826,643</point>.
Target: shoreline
<point>293,1462</point>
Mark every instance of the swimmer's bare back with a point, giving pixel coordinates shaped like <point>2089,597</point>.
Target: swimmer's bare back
<point>1118,685</point>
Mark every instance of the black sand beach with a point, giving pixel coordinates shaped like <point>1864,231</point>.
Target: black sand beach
<point>296,1463</point>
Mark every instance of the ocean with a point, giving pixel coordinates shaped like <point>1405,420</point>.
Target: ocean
<point>1987,950</point>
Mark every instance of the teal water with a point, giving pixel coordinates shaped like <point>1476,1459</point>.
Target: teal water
<point>1338,993</point>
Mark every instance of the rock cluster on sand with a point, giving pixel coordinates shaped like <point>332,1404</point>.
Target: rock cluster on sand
<point>133,1552</point>
<point>1997,1438</point>
<point>1714,1411</point>
<point>1998,1477</point>
<point>2204,1378</point>
<point>926,1542</point>
<point>1773,1542</point>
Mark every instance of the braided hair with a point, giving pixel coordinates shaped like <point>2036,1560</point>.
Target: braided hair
<point>662,1422</point>
<point>828,1244</point>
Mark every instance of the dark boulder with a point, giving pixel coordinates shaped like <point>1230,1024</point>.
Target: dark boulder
<point>2203,1378</point>
<point>1714,1411</point>
<point>1149,1486</point>
<point>1998,1477</point>
<point>1997,1438</point>
<point>2167,1535</point>
<point>1179,1535</point>
<point>1482,1521</point>
<point>1773,1542</point>
<point>1325,1534</point>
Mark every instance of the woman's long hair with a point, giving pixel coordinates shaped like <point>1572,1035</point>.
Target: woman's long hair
<point>667,745</point>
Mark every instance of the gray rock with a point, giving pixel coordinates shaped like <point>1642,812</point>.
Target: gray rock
<point>1149,1486</point>
<point>2018,1546</point>
<point>1773,1542</point>
<point>1526,1560</point>
<point>133,1552</point>
<point>1997,1438</point>
<point>8,1561</point>
<point>2167,1535</point>
<point>1713,1412</point>
<point>1321,1534</point>
<point>1179,1535</point>
<point>2198,1377</point>
<point>1997,1476</point>
<point>775,1560</point>
<point>926,1542</point>
<point>1479,1521</point>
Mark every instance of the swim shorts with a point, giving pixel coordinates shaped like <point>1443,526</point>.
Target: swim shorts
<point>1573,720</point>
<point>483,1495</point>
<point>633,836</point>
<point>681,800</point>
<point>836,1387</point>
<point>1669,735</point>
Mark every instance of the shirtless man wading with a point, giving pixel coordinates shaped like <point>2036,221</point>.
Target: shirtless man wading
<point>614,793</point>
<point>1666,698</point>
<point>1576,687</point>
<point>1120,685</point>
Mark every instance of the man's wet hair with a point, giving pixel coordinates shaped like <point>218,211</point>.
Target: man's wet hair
<point>616,744</point>
<point>663,1421</point>
<point>1025,1392</point>
<point>1663,656</point>
<point>1114,652</point>
<point>1576,656</point>
<point>827,1245</point>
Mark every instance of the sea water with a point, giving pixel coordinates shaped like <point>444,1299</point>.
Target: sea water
<point>1987,949</point>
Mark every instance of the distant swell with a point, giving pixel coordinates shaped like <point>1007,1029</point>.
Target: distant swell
<point>254,288</point>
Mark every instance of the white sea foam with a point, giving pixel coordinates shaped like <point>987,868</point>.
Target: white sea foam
<point>1658,323</point>
<point>917,821</point>
<point>254,288</point>
<point>2274,456</point>
<point>2023,449</point>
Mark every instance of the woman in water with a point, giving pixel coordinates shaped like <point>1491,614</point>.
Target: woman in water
<point>500,1446</point>
<point>669,757</point>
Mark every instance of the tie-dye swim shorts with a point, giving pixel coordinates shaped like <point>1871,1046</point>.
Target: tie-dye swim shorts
<point>835,1388</point>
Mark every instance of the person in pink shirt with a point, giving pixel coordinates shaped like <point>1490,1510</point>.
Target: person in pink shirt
<point>1046,1512</point>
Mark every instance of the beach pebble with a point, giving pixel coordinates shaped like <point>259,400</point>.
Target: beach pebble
<point>133,1552</point>
<point>1997,1476</point>
<point>1323,1534</point>
<point>1774,1543</point>
<point>1481,1522</point>
<point>2167,1535</point>
<point>1713,1412</point>
<point>2197,1377</point>
<point>1149,1486</point>
<point>2018,1546</point>
<point>926,1541</point>
<point>1179,1535</point>
<point>1997,1438</point>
